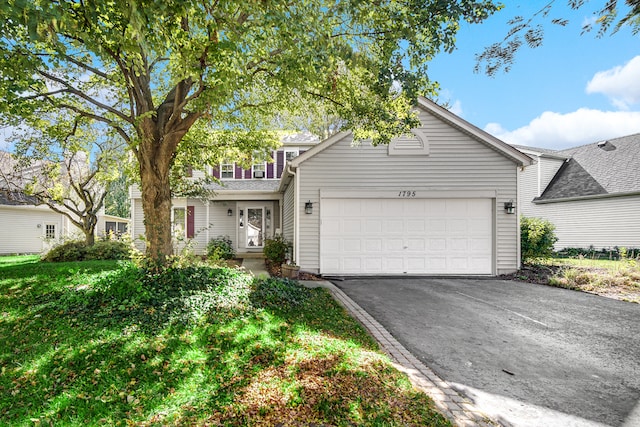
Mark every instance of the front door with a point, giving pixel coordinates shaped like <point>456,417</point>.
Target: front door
<point>255,228</point>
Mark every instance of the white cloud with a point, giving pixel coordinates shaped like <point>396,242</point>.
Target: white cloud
<point>621,84</point>
<point>559,131</point>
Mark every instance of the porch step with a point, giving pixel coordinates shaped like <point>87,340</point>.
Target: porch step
<point>250,255</point>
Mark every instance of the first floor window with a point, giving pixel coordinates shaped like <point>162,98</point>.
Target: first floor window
<point>179,222</point>
<point>50,231</point>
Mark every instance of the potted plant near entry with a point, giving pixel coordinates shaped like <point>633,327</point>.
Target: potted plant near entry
<point>289,270</point>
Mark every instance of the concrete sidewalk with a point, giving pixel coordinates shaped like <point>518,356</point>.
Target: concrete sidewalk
<point>256,267</point>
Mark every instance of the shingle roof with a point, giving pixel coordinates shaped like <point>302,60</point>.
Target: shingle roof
<point>606,167</point>
<point>246,185</point>
<point>15,198</point>
<point>535,149</point>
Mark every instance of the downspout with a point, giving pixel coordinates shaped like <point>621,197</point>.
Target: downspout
<point>519,244</point>
<point>296,214</point>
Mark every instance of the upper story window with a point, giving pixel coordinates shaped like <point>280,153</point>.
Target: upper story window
<point>259,170</point>
<point>227,171</point>
<point>290,155</point>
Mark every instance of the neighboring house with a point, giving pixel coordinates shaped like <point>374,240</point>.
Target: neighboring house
<point>433,202</point>
<point>590,193</point>
<point>31,228</point>
<point>27,228</point>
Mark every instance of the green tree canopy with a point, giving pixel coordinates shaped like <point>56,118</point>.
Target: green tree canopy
<point>151,69</point>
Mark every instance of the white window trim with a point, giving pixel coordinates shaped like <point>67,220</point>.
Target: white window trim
<point>233,171</point>
<point>263,164</point>
<point>173,225</point>
<point>55,230</point>
<point>296,151</point>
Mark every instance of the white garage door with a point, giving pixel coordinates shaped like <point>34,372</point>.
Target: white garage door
<point>406,236</point>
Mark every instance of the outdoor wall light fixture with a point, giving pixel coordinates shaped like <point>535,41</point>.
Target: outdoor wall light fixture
<point>308,207</point>
<point>509,207</point>
<point>229,212</point>
<point>241,218</point>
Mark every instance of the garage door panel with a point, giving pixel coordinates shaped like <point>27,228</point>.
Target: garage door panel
<point>394,245</point>
<point>352,264</point>
<point>458,245</point>
<point>418,245</point>
<point>373,265</point>
<point>373,245</point>
<point>394,226</point>
<point>413,236</point>
<point>352,226</point>
<point>393,264</point>
<point>373,226</point>
<point>480,245</point>
<point>416,264</point>
<point>352,245</point>
<point>416,226</point>
<point>437,244</point>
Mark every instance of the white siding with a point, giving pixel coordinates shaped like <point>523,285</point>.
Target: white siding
<point>137,224</point>
<point>533,181</point>
<point>456,162</point>
<point>20,232</point>
<point>220,224</point>
<point>528,188</point>
<point>603,223</point>
<point>548,169</point>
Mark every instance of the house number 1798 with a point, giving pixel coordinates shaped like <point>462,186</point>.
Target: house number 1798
<point>407,194</point>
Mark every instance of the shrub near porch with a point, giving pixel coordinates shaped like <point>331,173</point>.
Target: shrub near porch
<point>102,343</point>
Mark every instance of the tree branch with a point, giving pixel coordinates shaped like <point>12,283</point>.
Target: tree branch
<point>86,97</point>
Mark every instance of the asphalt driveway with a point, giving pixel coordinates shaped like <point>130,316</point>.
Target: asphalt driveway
<point>527,355</point>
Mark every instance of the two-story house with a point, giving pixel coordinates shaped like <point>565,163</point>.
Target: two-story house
<point>441,200</point>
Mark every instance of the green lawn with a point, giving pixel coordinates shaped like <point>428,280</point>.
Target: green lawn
<point>605,264</point>
<point>100,343</point>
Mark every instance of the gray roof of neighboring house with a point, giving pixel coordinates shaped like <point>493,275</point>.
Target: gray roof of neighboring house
<point>246,185</point>
<point>15,198</point>
<point>535,149</point>
<point>300,138</point>
<point>606,167</point>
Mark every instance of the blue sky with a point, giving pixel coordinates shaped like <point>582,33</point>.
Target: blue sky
<point>573,90</point>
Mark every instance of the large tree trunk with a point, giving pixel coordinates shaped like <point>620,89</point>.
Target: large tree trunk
<point>89,237</point>
<point>160,135</point>
<point>156,198</point>
<point>156,205</point>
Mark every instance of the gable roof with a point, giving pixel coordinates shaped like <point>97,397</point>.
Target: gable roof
<point>478,134</point>
<point>599,169</point>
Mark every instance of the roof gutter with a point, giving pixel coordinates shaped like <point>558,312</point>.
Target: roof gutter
<point>592,197</point>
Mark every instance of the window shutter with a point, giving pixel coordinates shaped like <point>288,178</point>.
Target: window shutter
<point>280,163</point>
<point>216,172</point>
<point>189,171</point>
<point>191,213</point>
